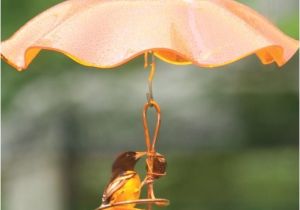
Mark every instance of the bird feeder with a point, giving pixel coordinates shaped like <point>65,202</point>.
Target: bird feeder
<point>109,33</point>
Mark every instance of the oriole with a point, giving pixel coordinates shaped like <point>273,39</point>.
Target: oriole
<point>125,183</point>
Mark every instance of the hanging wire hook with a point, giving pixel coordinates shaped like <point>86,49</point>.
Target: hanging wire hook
<point>150,142</point>
<point>149,95</point>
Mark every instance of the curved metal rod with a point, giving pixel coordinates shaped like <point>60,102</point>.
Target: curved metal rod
<point>149,95</point>
<point>151,147</point>
<point>157,201</point>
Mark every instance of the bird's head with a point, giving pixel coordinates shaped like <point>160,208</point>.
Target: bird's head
<point>126,161</point>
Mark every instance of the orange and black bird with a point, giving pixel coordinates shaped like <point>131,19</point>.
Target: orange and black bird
<point>125,183</point>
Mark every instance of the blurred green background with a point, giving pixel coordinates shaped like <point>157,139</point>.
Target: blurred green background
<point>230,134</point>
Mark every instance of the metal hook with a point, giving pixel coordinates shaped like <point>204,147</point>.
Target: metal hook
<point>149,95</point>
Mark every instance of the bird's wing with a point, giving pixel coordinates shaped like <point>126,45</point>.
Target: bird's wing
<point>116,184</point>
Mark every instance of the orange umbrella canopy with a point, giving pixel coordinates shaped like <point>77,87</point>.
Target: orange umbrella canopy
<point>108,33</point>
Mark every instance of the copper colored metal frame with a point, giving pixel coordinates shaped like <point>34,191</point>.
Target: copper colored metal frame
<point>154,166</point>
<point>151,153</point>
<point>152,173</point>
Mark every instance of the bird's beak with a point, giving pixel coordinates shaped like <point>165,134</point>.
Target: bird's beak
<point>138,155</point>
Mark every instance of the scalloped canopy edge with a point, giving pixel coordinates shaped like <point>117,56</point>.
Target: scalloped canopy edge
<point>266,55</point>
<point>106,34</point>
